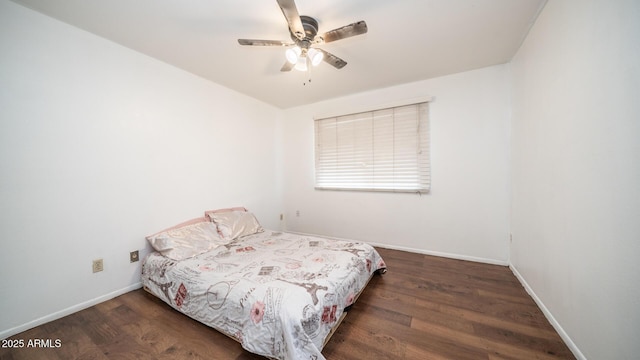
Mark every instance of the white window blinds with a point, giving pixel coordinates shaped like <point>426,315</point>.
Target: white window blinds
<point>382,150</point>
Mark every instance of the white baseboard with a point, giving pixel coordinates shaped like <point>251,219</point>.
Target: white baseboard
<point>563,334</point>
<point>68,311</point>
<point>443,254</point>
<point>418,251</point>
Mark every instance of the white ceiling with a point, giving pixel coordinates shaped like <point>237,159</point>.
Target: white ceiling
<point>408,40</point>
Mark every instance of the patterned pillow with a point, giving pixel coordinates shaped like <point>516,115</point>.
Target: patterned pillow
<point>187,239</point>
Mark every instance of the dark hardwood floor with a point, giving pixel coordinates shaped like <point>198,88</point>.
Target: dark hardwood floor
<point>424,307</point>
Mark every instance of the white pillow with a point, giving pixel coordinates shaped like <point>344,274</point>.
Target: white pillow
<point>234,224</point>
<point>187,239</point>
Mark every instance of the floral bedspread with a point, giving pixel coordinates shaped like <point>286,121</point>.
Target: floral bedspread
<point>278,294</point>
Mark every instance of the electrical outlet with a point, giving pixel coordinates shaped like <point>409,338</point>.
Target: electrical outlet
<point>98,265</point>
<point>133,256</point>
<point>281,217</point>
<point>298,213</point>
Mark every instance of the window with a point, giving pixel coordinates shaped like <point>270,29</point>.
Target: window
<point>382,150</point>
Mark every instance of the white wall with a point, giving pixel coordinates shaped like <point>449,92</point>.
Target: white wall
<point>465,215</point>
<point>101,146</point>
<point>576,172</point>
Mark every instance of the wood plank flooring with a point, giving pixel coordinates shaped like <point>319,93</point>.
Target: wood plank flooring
<point>424,307</point>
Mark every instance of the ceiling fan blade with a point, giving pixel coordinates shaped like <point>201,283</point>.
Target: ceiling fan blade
<point>255,42</point>
<point>287,66</point>
<point>357,28</point>
<point>290,12</point>
<point>332,59</point>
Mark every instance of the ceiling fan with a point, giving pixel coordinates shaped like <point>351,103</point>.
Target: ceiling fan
<point>304,35</point>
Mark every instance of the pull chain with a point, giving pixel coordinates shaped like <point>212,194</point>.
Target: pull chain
<point>309,66</point>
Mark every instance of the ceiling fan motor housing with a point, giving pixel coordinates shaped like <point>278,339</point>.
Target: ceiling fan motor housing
<point>310,26</point>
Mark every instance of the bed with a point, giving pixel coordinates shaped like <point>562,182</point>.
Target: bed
<point>281,295</point>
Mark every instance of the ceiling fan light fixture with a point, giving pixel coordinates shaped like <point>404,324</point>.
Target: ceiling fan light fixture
<point>315,56</point>
<point>301,65</point>
<point>293,55</point>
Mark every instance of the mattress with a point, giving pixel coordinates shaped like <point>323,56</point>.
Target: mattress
<point>278,294</point>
